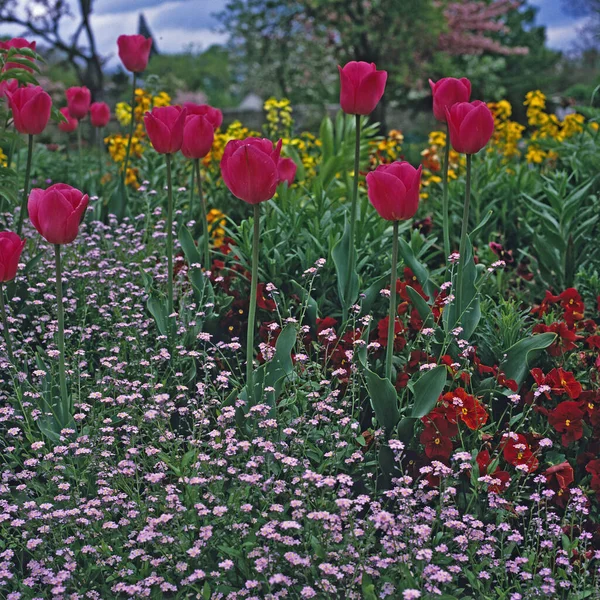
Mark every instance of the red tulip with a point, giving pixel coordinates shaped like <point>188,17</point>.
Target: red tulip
<point>30,108</point>
<point>394,190</point>
<point>214,115</point>
<point>249,169</point>
<point>57,211</point>
<point>11,246</point>
<point>471,126</point>
<point>71,123</point>
<point>99,114</point>
<point>198,137</point>
<point>361,87</point>
<point>164,126</point>
<point>287,170</point>
<point>447,92</point>
<point>134,52</point>
<point>17,43</point>
<point>78,101</point>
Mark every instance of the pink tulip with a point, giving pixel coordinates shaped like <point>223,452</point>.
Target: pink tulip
<point>11,246</point>
<point>446,93</point>
<point>99,114</point>
<point>30,108</point>
<point>394,190</point>
<point>18,43</point>
<point>198,137</point>
<point>164,126</point>
<point>249,169</point>
<point>361,87</point>
<point>78,101</point>
<point>134,52</point>
<point>287,170</point>
<point>471,126</point>
<point>8,85</point>
<point>57,211</point>
<point>71,123</point>
<point>214,115</point>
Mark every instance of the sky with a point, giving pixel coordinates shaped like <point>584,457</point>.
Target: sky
<point>176,24</point>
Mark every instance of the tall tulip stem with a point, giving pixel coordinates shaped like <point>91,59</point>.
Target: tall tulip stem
<point>26,185</point>
<point>392,317</point>
<point>353,209</point>
<point>170,303</point>
<point>131,125</point>
<point>252,309</point>
<point>204,214</point>
<point>463,239</point>
<point>445,202</point>
<point>61,333</point>
<point>79,167</point>
<point>5,326</point>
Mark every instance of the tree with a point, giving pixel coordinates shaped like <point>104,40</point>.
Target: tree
<point>43,18</point>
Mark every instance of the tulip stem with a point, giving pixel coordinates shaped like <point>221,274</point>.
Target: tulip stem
<point>445,202</point>
<point>204,215</point>
<point>128,151</point>
<point>79,168</point>
<point>25,186</point>
<point>392,317</point>
<point>66,409</point>
<point>170,303</point>
<point>353,208</point>
<point>463,241</point>
<point>9,349</point>
<point>252,309</point>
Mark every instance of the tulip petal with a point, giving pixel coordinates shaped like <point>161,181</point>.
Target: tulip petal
<point>476,129</point>
<point>52,217</point>
<point>369,92</point>
<point>251,175</point>
<point>386,193</point>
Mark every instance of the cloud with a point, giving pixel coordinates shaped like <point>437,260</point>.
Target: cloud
<point>561,37</point>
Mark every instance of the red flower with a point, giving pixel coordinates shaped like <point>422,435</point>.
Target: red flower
<point>566,337</point>
<point>361,87</point>
<point>567,418</point>
<point>593,467</point>
<point>559,478</point>
<point>518,452</point>
<point>467,408</point>
<point>483,462</point>
<point>263,299</point>
<point>436,436</point>
<point>399,339</point>
<point>563,382</point>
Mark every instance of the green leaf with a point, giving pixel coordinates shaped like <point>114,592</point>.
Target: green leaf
<point>371,295</point>
<point>326,137</point>
<point>384,400</point>
<point>158,309</point>
<point>341,253</point>
<point>117,204</point>
<point>427,390</point>
<point>520,357</point>
<point>367,587</point>
<point>312,311</point>
<point>420,271</point>
<point>422,307</point>
<point>188,246</point>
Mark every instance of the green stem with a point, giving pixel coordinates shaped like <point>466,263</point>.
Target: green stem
<point>170,303</point>
<point>445,202</point>
<point>99,149</point>
<point>79,168</point>
<point>352,256</point>
<point>463,240</point>
<point>392,318</point>
<point>126,163</point>
<point>5,326</point>
<point>66,409</point>
<point>252,309</point>
<point>25,186</point>
<point>204,214</point>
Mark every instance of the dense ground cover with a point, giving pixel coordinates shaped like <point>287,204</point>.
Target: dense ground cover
<point>472,473</point>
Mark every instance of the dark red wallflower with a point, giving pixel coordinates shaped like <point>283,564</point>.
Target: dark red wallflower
<point>382,333</point>
<point>567,418</point>
<point>483,462</point>
<point>563,382</point>
<point>424,225</point>
<point>326,323</point>
<point>565,340</point>
<point>263,298</point>
<point>593,341</point>
<point>518,452</point>
<point>593,467</point>
<point>511,384</point>
<point>466,408</point>
<point>436,436</point>
<point>590,400</point>
<point>559,478</point>
<point>501,253</point>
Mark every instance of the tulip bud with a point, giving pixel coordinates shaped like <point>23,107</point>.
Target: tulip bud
<point>394,190</point>
<point>361,87</point>
<point>134,52</point>
<point>471,126</point>
<point>11,246</point>
<point>78,101</point>
<point>249,169</point>
<point>30,108</point>
<point>198,137</point>
<point>446,93</point>
<point>287,170</point>
<point>164,126</point>
<point>99,114</point>
<point>71,123</point>
<point>214,115</point>
<point>57,211</point>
